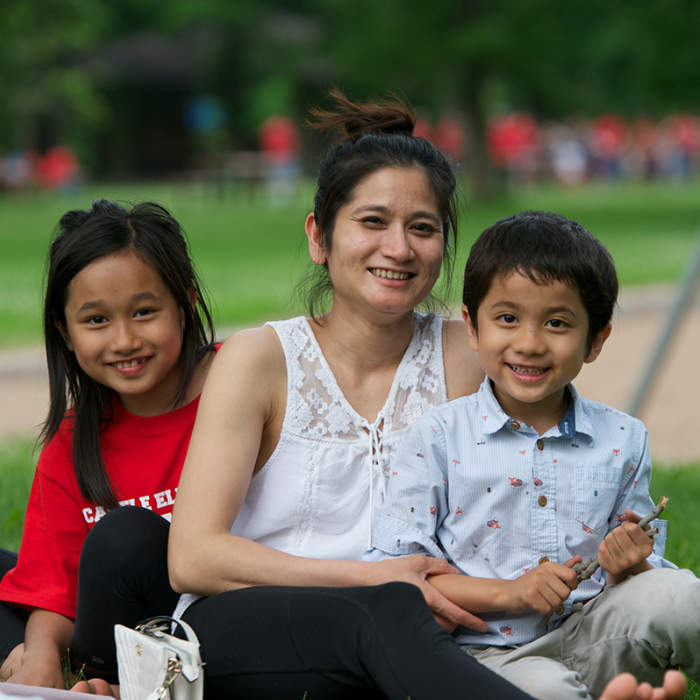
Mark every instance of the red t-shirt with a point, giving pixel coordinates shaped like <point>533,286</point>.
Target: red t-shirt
<point>143,458</point>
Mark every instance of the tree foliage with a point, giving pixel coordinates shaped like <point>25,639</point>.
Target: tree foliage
<point>263,56</point>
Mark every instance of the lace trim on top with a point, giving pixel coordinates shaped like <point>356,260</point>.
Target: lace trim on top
<point>320,410</point>
<point>317,408</point>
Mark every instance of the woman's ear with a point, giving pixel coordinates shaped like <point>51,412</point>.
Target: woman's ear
<point>63,330</point>
<point>316,247</point>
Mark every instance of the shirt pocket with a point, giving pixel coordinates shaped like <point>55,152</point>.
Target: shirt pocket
<point>589,498</point>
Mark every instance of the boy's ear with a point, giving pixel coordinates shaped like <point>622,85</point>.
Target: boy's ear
<point>313,233</point>
<point>471,331</point>
<point>63,330</point>
<point>598,342</point>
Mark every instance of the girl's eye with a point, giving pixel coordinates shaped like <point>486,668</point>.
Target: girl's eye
<point>97,320</point>
<point>556,323</point>
<point>507,318</point>
<point>143,312</point>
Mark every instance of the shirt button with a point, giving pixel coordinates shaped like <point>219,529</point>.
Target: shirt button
<point>540,444</point>
<point>544,560</point>
<point>542,500</point>
<point>515,425</point>
<point>560,610</point>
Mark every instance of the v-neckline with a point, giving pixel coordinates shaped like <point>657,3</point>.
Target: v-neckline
<point>339,397</point>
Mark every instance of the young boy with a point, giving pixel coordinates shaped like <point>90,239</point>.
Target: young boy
<point>517,483</point>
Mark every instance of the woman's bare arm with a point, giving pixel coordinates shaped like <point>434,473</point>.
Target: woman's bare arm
<point>238,424</point>
<point>463,373</point>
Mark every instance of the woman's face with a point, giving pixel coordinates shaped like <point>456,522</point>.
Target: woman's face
<point>387,243</point>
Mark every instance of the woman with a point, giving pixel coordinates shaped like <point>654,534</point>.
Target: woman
<point>293,443</point>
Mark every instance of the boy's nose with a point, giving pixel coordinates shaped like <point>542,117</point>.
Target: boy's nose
<point>529,342</point>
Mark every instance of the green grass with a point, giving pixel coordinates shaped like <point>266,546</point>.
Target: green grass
<point>16,472</point>
<point>250,254</point>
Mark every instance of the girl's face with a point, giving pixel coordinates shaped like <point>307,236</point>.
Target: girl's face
<point>125,328</point>
<point>387,243</point>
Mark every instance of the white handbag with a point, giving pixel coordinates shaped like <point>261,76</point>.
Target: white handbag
<point>155,665</point>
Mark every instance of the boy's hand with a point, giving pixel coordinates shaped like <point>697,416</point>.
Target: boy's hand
<point>624,548</point>
<point>541,589</point>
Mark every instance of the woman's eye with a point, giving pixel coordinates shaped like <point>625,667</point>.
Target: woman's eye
<point>372,220</point>
<point>425,228</point>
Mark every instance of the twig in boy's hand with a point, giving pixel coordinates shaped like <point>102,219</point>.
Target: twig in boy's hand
<point>587,568</point>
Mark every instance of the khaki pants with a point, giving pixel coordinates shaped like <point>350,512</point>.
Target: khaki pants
<point>646,624</point>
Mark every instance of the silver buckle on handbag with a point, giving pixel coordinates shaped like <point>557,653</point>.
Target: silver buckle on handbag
<point>171,674</point>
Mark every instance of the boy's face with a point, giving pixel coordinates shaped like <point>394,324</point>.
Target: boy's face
<point>532,341</point>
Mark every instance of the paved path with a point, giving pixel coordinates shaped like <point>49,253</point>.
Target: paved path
<point>672,412</point>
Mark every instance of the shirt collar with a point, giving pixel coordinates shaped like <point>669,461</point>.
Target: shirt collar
<point>575,419</point>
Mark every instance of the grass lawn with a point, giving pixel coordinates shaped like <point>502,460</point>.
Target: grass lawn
<point>250,254</point>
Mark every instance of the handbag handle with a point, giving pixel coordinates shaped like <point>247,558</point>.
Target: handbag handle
<point>156,626</point>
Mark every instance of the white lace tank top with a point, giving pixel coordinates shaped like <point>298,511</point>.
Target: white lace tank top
<point>316,494</point>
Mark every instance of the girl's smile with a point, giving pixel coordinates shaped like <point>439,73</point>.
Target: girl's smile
<point>125,328</point>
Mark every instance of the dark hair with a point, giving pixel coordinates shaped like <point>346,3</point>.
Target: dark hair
<point>377,135</point>
<point>81,238</point>
<point>545,247</point>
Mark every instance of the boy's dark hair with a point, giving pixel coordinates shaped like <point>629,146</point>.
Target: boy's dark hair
<point>545,247</point>
<point>81,238</point>
<point>376,135</point>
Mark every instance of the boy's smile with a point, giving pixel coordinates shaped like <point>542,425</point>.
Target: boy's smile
<point>532,340</point>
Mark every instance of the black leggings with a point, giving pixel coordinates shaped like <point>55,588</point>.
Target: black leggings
<point>13,619</point>
<point>274,641</point>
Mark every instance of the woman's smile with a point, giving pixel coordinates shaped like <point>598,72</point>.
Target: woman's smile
<point>390,233</point>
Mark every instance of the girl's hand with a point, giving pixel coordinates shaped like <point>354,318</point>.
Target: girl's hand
<point>542,588</point>
<point>625,549</point>
<point>415,569</point>
<point>41,671</point>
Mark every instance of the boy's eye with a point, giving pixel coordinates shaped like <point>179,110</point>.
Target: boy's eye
<point>507,318</point>
<point>556,323</point>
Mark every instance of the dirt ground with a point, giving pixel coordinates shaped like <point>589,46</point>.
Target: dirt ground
<point>671,412</point>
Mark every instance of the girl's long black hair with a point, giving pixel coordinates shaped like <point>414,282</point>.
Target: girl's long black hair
<point>81,238</point>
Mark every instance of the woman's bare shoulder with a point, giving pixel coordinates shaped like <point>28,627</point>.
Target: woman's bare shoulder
<point>251,348</point>
<point>463,373</point>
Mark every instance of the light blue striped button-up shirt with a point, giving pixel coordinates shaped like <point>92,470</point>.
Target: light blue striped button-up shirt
<point>486,492</point>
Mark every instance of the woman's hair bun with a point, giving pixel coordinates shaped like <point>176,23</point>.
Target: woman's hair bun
<point>354,119</point>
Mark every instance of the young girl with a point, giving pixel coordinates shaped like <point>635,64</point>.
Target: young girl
<point>129,339</point>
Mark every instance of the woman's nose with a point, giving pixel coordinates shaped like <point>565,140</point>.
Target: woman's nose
<point>396,243</point>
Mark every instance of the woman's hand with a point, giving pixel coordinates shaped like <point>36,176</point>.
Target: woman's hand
<point>416,569</point>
